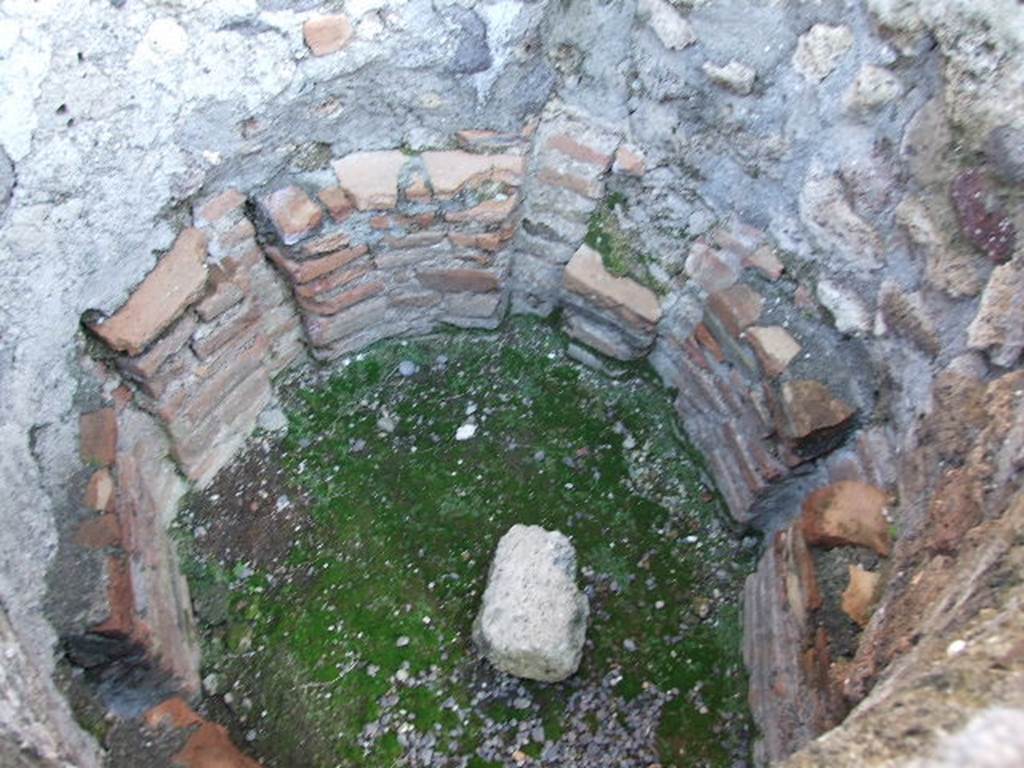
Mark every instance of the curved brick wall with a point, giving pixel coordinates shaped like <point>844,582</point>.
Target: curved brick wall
<point>825,203</point>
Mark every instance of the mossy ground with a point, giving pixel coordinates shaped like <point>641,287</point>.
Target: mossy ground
<point>367,621</point>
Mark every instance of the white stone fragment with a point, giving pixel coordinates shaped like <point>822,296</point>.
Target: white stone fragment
<point>873,87</point>
<point>465,432</point>
<point>672,29</point>
<point>735,76</point>
<point>533,619</point>
<point>820,49</point>
<point>850,313</point>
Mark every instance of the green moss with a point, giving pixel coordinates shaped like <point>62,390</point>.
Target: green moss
<point>618,253</point>
<point>404,530</point>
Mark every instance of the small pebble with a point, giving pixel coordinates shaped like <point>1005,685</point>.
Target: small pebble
<point>407,368</point>
<point>402,642</point>
<point>465,432</point>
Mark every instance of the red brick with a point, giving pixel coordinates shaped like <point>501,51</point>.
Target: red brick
<point>452,171</point>
<point>371,178</point>
<point>459,280</point>
<point>585,187</point>
<point>337,203</point>
<point>417,190</point>
<point>709,342</point>
<point>737,307</point>
<point>120,619</point>
<point>330,282</point>
<point>711,269</point>
<point>342,300</point>
<point>177,280</point>
<point>809,408</point>
<point>325,244</point>
<point>487,212</point>
<point>577,151</point>
<point>295,216</point>
<point>415,240</point>
<point>211,747</point>
<point>99,532</point>
<point>173,713</point>
<point>98,436</point>
<point>847,514</point>
<point>485,241</point>
<point>210,339</point>
<point>217,208</point>
<point>305,271</point>
<point>239,234</point>
<point>224,296</point>
<point>147,364</point>
<point>629,161</point>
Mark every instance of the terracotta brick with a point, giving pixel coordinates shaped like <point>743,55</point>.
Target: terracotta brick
<point>452,171</point>
<point>224,296</point>
<point>122,397</point>
<point>305,271</point>
<point>458,280</point>
<point>774,347</point>
<point>177,280</point>
<point>371,178</point>
<point>571,148</point>
<point>766,262</point>
<point>488,141</point>
<point>98,436</point>
<point>218,207</point>
<point>711,269</point>
<point>416,221</point>
<point>206,396</point>
<point>324,330</point>
<point>380,223</point>
<point>330,282</point>
<point>100,490</point>
<point>99,532</point>
<point>847,514</point>
<point>415,240</point>
<point>737,307</point>
<point>240,234</point>
<point>586,276</point>
<point>211,747</point>
<point>487,212</point>
<point>417,190</point>
<point>809,407</point>
<point>120,620</point>
<point>337,203</point>
<point>173,713</point>
<point>485,241</point>
<point>708,342</point>
<point>343,300</point>
<point>590,188</point>
<point>325,244</point>
<point>327,34</point>
<point>629,161</point>
<point>208,340</point>
<point>293,213</point>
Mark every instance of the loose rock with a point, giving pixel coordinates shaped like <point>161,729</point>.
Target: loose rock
<point>533,620</point>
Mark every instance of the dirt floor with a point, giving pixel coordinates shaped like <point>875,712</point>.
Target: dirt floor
<point>336,568</point>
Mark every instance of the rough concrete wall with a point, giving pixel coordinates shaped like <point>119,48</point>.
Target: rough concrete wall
<point>36,729</point>
<point>117,114</point>
<point>834,129</point>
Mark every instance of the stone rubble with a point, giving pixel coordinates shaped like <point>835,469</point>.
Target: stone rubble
<point>533,618</point>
